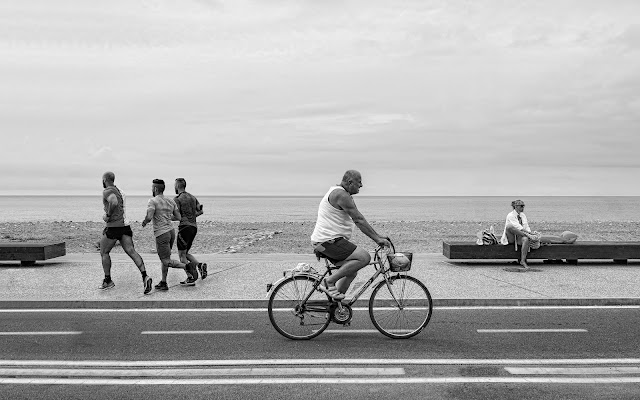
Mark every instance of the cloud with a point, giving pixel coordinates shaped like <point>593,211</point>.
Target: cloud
<point>104,153</point>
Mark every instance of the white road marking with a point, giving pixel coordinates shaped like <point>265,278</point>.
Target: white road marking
<point>192,372</point>
<point>129,310</point>
<point>346,330</point>
<point>327,361</point>
<point>194,332</point>
<point>613,370</point>
<point>181,310</point>
<point>40,333</point>
<point>328,381</point>
<point>532,330</point>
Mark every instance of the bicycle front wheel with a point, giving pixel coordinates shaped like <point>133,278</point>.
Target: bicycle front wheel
<point>293,316</point>
<point>400,307</point>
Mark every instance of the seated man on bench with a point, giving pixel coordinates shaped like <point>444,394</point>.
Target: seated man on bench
<point>518,232</point>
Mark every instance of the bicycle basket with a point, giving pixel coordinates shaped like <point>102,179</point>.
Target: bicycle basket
<point>400,261</point>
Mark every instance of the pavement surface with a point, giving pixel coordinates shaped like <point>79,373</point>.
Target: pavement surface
<point>240,281</point>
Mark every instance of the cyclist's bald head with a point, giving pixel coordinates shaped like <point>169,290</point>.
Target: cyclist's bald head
<point>351,176</point>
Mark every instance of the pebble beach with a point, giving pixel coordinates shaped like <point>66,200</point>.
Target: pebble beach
<point>293,237</point>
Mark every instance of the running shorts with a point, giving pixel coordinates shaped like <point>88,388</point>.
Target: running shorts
<point>116,232</point>
<point>164,243</point>
<point>186,235</point>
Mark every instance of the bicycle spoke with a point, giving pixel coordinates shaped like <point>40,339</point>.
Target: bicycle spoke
<point>400,307</point>
<point>294,317</point>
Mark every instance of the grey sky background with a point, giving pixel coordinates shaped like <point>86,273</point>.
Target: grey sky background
<point>281,97</point>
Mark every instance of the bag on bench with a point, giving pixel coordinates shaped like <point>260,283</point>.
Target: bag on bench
<point>487,237</point>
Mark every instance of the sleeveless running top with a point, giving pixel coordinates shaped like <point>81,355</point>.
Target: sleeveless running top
<point>188,207</point>
<point>118,217</point>
<point>331,223</point>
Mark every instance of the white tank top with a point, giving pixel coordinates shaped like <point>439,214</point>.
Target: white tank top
<point>331,223</point>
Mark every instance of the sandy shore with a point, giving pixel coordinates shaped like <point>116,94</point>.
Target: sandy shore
<point>293,237</point>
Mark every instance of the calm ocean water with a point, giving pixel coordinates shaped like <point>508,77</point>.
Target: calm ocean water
<point>274,209</point>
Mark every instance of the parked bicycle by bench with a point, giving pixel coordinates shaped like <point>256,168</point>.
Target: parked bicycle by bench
<point>400,305</point>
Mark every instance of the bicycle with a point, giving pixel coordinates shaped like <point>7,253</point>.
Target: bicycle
<point>400,305</point>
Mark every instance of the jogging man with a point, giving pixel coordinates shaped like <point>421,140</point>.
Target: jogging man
<point>117,229</point>
<point>189,208</point>
<point>162,210</point>
<point>337,216</point>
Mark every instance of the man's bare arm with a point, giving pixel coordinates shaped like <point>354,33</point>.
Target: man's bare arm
<point>346,203</point>
<point>199,209</point>
<point>176,215</point>
<point>148,217</point>
<point>113,203</point>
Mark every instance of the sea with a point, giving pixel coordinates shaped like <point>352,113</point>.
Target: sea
<point>297,209</point>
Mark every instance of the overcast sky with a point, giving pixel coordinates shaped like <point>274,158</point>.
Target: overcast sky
<point>281,97</point>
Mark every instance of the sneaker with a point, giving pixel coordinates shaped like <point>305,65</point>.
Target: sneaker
<point>162,286</point>
<point>188,282</point>
<point>193,270</point>
<point>106,285</point>
<point>202,268</point>
<point>147,284</point>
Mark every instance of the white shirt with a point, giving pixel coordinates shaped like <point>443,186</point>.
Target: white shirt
<point>512,220</point>
<point>332,223</point>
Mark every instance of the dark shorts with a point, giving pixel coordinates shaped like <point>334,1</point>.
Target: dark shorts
<point>186,234</point>
<point>338,249</point>
<point>116,232</point>
<point>164,243</point>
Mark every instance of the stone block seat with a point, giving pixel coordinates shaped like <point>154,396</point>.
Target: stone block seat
<point>30,252</point>
<point>619,252</point>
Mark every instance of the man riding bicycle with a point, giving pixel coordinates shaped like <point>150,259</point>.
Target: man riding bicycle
<point>337,216</point>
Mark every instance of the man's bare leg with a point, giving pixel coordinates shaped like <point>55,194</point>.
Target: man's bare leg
<point>169,263</point>
<point>514,235</point>
<point>106,245</point>
<point>128,247</point>
<point>524,252</point>
<point>552,239</point>
<point>343,277</point>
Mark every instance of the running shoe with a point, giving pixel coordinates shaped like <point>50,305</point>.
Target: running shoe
<point>202,268</point>
<point>147,284</point>
<point>188,282</point>
<point>106,285</point>
<point>162,286</point>
<point>193,270</point>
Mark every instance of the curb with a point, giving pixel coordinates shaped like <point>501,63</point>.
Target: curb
<point>261,304</point>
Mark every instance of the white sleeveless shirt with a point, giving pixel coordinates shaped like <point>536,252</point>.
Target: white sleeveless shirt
<point>331,223</point>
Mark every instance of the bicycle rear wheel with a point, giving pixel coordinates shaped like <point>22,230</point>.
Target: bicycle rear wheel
<point>400,308</point>
<point>293,317</point>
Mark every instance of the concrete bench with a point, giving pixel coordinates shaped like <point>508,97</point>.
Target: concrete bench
<point>619,252</point>
<point>28,253</point>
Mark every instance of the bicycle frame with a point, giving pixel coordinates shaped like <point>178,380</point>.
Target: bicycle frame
<point>377,265</point>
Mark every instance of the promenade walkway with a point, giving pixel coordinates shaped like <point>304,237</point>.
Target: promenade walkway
<point>240,280</point>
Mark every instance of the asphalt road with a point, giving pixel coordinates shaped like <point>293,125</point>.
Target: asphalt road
<point>523,353</point>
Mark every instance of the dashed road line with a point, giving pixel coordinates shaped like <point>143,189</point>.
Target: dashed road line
<point>195,332</point>
<point>532,331</point>
<point>26,333</point>
<point>613,370</point>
